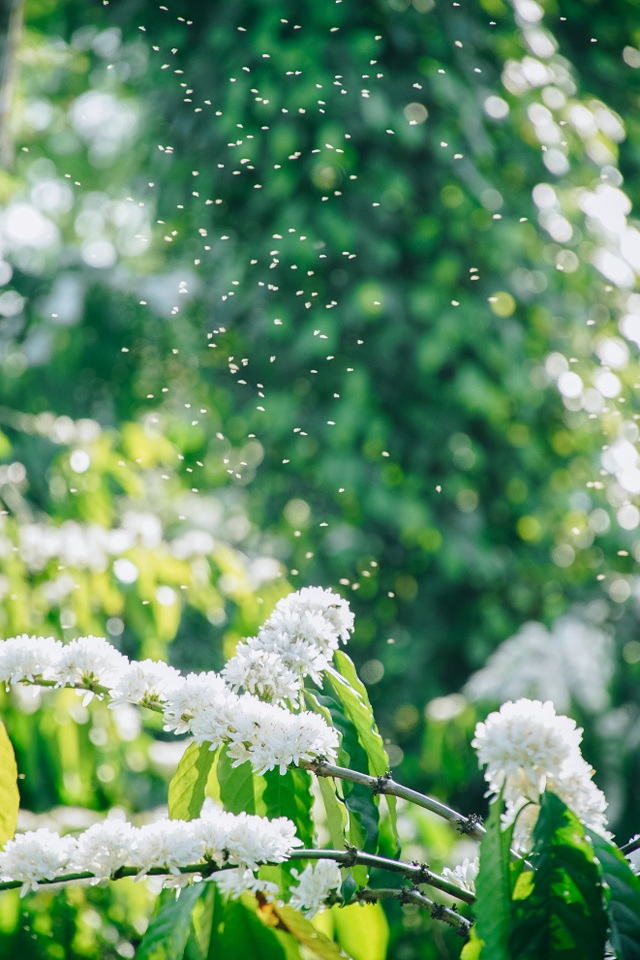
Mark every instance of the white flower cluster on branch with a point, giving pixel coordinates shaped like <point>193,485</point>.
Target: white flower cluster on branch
<point>305,626</point>
<point>527,748</point>
<point>219,838</point>
<point>298,640</point>
<point>314,885</point>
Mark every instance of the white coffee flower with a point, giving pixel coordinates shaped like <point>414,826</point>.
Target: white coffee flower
<point>105,847</point>
<point>233,883</point>
<point>253,840</point>
<point>215,721</point>
<point>145,681</point>
<point>262,672</point>
<point>297,640</point>
<point>527,742</point>
<point>28,658</point>
<point>90,660</point>
<point>329,605</point>
<point>204,696</point>
<point>270,736</point>
<point>243,840</point>
<point>315,883</point>
<point>464,874</point>
<point>529,748</point>
<point>35,856</point>
<point>575,787</point>
<point>169,844</point>
<point>572,662</point>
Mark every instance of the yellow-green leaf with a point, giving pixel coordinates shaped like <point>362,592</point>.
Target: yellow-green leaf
<point>9,795</point>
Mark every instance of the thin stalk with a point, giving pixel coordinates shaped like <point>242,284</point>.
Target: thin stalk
<point>437,910</point>
<point>205,869</point>
<point>631,846</point>
<point>387,785</point>
<point>417,872</point>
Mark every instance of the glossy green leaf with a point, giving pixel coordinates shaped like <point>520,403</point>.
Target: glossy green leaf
<point>203,914</point>
<point>334,805</point>
<point>493,904</point>
<point>240,788</point>
<point>335,811</point>
<point>246,937</point>
<point>623,895</point>
<point>564,916</point>
<point>355,701</point>
<point>362,930</point>
<point>362,805</point>
<point>188,784</point>
<point>354,697</point>
<point>217,908</point>
<point>9,795</point>
<point>168,932</point>
<point>289,795</point>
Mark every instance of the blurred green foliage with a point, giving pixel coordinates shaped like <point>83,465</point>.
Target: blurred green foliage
<point>279,308</point>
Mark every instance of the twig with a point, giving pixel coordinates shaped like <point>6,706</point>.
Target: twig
<point>417,872</point>
<point>437,910</point>
<point>387,785</point>
<point>631,846</point>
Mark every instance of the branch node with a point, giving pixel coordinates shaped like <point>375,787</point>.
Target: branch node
<point>317,766</point>
<point>381,783</point>
<point>467,825</point>
<point>351,855</point>
<point>439,912</point>
<point>423,874</point>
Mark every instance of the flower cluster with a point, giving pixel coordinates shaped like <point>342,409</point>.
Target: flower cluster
<point>265,734</point>
<point>528,748</point>
<point>571,663</point>
<point>219,838</point>
<point>297,640</point>
<point>205,705</point>
<point>314,885</point>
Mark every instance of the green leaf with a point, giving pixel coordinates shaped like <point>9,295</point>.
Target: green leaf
<point>201,924</point>
<point>217,905</point>
<point>564,916</point>
<point>240,788</point>
<point>335,811</point>
<point>188,784</point>
<point>355,700</point>
<point>353,696</point>
<point>623,898</point>
<point>168,932</point>
<point>493,888</point>
<point>304,932</point>
<point>289,795</point>
<point>246,937</point>
<point>472,949</point>
<point>9,795</point>
<point>362,829</point>
<point>362,930</point>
